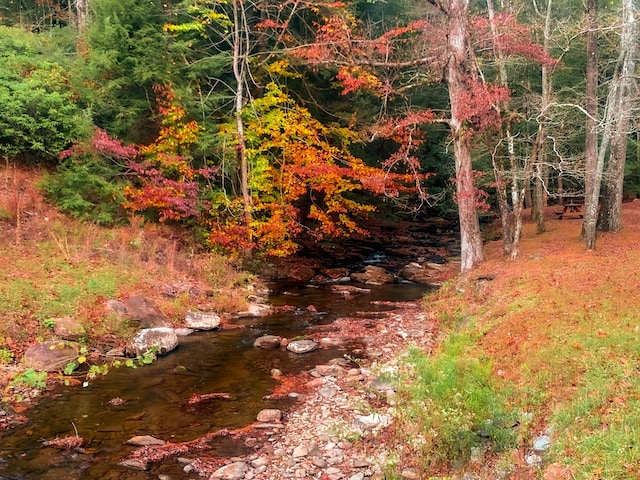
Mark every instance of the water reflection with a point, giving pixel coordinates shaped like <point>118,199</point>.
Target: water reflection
<point>156,396</point>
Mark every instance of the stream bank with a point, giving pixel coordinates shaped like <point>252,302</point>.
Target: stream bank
<point>329,399</point>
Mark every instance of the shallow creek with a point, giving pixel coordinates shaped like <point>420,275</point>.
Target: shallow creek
<point>156,396</point>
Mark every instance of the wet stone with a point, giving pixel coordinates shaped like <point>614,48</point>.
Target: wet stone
<point>145,440</point>
<point>302,346</point>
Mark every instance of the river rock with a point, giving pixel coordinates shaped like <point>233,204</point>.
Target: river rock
<point>161,338</point>
<point>269,415</point>
<point>145,440</point>
<point>330,370</point>
<point>257,310</point>
<point>233,471</point>
<point>201,321</point>
<point>421,273</point>
<point>134,464</point>
<point>348,291</point>
<point>51,356</point>
<point>302,346</point>
<point>267,342</point>
<point>373,275</point>
<point>141,310</point>
<point>68,328</point>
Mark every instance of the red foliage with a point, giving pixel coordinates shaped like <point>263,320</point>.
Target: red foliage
<point>477,104</point>
<point>166,180</point>
<point>513,38</point>
<point>102,144</point>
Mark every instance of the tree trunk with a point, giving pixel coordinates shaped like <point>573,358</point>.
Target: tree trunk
<point>591,134</point>
<point>82,7</point>
<point>610,218</point>
<point>470,237</point>
<point>239,73</point>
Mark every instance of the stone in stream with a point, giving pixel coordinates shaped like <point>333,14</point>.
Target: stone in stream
<point>373,275</point>
<point>144,441</point>
<point>162,339</point>
<point>302,346</point>
<point>267,342</point>
<point>201,321</point>
<point>269,415</point>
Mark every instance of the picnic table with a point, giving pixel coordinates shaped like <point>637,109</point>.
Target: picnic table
<point>573,208</point>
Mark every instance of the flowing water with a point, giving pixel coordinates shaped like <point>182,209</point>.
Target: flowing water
<point>156,396</point>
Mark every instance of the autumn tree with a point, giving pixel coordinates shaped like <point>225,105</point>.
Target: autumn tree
<point>442,39</point>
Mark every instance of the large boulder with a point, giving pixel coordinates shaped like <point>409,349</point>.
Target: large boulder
<point>52,356</point>
<point>142,311</point>
<point>160,339</point>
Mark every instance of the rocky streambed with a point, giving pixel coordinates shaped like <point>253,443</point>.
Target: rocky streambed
<point>290,389</point>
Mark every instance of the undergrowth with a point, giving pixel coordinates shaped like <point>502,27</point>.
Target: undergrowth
<point>452,405</point>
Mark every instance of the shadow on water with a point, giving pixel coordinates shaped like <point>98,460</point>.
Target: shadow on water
<point>156,396</point>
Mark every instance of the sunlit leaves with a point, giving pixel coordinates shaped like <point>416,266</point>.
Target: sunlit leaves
<point>166,182</point>
<point>304,180</point>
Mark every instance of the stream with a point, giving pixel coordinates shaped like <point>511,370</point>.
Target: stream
<point>156,396</point>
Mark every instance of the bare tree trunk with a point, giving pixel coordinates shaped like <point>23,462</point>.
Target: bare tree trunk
<point>610,218</point>
<point>472,252</point>
<point>240,51</point>
<point>591,134</point>
<point>82,7</point>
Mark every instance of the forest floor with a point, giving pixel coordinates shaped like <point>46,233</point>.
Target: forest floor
<point>559,326</point>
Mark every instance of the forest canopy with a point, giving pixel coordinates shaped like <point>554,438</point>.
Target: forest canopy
<point>261,125</point>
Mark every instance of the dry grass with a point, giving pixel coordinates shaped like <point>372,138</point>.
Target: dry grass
<point>52,266</point>
<point>560,327</point>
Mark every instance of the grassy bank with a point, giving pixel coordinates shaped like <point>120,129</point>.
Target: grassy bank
<point>52,267</point>
<point>546,345</point>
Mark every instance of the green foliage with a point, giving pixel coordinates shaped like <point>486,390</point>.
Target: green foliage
<point>30,378</point>
<point>87,191</point>
<point>450,404</point>
<point>6,356</point>
<point>38,117</point>
<point>128,53</point>
<point>87,185</point>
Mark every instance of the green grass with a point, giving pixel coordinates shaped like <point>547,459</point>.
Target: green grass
<point>451,404</point>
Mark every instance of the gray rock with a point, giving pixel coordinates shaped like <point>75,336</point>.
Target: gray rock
<point>162,339</point>
<point>51,356</point>
<point>140,310</point>
<point>201,321</point>
<point>302,346</point>
<point>372,421</point>
<point>233,471</point>
<point>542,443</point>
<point>267,342</point>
